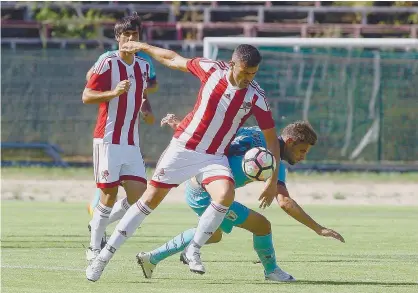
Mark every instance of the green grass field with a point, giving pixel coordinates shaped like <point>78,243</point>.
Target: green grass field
<point>87,174</point>
<point>42,251</point>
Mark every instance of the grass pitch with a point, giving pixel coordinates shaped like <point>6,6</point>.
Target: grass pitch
<point>42,251</point>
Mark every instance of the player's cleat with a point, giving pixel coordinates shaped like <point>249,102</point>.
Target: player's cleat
<point>104,238</point>
<point>143,259</point>
<point>95,269</point>
<point>91,254</point>
<point>279,275</point>
<point>194,262</point>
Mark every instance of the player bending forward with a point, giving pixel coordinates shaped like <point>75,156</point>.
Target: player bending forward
<point>295,142</point>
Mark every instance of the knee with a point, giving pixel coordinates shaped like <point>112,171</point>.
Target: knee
<point>153,196</point>
<point>223,194</point>
<point>216,237</point>
<point>264,228</point>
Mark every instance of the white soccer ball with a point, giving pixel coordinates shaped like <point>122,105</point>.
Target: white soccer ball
<point>258,164</point>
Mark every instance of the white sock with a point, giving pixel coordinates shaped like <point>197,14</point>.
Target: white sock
<point>119,209</point>
<point>98,224</point>
<point>209,222</point>
<point>125,228</point>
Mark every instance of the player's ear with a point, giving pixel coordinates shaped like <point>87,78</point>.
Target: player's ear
<point>290,142</point>
<point>231,63</point>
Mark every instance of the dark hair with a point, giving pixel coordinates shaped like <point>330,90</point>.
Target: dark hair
<point>300,132</point>
<point>131,22</point>
<point>247,54</point>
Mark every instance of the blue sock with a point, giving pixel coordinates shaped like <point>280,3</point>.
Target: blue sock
<point>263,245</point>
<point>95,200</point>
<point>173,246</point>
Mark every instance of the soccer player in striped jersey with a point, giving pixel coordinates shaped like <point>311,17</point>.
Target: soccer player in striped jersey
<point>228,96</point>
<point>296,141</point>
<point>123,204</point>
<point>117,85</point>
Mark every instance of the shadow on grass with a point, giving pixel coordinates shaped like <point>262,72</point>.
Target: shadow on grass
<point>267,283</point>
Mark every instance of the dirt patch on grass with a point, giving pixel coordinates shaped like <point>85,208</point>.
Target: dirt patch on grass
<point>309,192</point>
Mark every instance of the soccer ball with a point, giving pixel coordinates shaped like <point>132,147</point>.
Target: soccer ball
<point>258,164</point>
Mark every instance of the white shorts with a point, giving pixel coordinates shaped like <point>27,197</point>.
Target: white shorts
<point>178,164</point>
<point>114,163</point>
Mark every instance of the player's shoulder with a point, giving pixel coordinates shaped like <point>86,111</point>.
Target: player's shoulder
<point>143,56</point>
<point>257,89</point>
<point>109,55</point>
<point>207,64</point>
<point>142,59</point>
<point>104,60</point>
<point>248,129</point>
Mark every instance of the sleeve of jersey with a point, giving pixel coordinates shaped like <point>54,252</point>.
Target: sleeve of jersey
<point>101,78</point>
<point>199,67</point>
<point>101,58</point>
<point>281,180</point>
<point>152,75</point>
<point>263,114</point>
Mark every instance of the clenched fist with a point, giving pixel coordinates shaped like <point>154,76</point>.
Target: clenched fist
<point>122,87</point>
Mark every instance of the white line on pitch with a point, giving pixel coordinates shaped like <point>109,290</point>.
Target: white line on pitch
<point>41,268</point>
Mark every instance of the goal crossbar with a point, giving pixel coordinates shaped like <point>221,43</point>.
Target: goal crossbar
<point>210,43</point>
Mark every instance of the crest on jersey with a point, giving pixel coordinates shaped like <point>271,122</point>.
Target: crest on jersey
<point>228,96</point>
<point>105,174</point>
<point>246,106</point>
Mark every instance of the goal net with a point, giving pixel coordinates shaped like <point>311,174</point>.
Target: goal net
<point>359,94</point>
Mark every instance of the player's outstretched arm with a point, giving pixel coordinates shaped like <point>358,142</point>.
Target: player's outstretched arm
<point>166,57</point>
<point>292,208</point>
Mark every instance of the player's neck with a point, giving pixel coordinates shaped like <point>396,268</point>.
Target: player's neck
<point>127,57</point>
<point>231,79</point>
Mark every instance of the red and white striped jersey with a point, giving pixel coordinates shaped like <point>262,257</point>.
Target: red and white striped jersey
<point>117,120</point>
<point>220,109</point>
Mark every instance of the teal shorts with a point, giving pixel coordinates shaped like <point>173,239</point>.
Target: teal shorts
<point>236,215</point>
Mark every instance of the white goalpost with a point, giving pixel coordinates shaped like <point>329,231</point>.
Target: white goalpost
<point>337,83</point>
<point>211,44</point>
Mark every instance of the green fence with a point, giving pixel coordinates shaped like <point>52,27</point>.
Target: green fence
<point>363,104</point>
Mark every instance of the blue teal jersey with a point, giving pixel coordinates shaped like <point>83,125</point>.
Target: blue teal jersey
<point>152,74</point>
<point>246,139</point>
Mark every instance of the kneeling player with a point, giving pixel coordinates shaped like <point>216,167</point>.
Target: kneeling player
<point>295,142</point>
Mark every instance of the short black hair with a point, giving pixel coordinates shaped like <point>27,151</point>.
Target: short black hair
<point>247,54</point>
<point>131,22</point>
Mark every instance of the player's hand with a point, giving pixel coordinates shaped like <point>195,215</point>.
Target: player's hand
<point>171,120</point>
<point>268,194</point>
<point>122,87</point>
<point>331,233</point>
<point>131,47</point>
